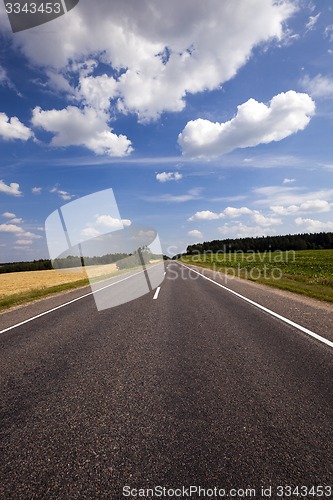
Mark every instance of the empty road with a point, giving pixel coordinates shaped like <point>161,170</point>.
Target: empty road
<point>187,385</point>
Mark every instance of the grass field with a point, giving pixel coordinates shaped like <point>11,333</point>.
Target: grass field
<point>308,272</point>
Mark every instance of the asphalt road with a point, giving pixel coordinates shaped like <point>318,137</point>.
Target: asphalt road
<point>194,387</point>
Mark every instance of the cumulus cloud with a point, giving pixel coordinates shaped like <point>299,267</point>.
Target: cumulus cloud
<point>12,128</point>
<point>313,225</point>
<point>102,223</point>
<point>8,215</point>
<point>206,215</point>
<point>241,230</point>
<point>112,222</point>
<point>36,190</point>
<point>255,123</point>
<point>10,228</point>
<point>82,127</point>
<point>306,207</point>
<point>288,181</point>
<point>195,233</point>
<point>159,53</point>
<point>13,189</point>
<point>319,86</point>
<point>168,176</point>
<point>231,212</point>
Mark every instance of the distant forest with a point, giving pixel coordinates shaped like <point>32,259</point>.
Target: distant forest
<point>306,241</point>
<point>70,261</point>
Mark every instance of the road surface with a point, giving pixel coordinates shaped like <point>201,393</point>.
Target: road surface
<point>187,385</point>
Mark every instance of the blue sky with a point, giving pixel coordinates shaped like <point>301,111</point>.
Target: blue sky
<point>208,119</point>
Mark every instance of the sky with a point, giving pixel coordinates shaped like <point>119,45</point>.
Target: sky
<point>209,120</point>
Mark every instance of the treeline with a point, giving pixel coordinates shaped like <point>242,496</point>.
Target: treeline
<point>305,241</point>
<point>74,261</point>
<point>36,265</point>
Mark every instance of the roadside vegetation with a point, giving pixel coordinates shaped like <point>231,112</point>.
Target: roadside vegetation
<point>307,272</point>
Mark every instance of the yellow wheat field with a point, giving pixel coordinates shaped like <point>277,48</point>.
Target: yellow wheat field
<point>12,283</point>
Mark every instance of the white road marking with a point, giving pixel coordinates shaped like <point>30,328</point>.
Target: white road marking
<point>70,302</point>
<point>269,311</point>
<point>157,292</point>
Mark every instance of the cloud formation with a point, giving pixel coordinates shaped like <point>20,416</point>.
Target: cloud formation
<point>12,128</point>
<point>168,176</point>
<point>319,86</point>
<point>195,233</point>
<point>13,189</point>
<point>75,127</point>
<point>255,123</point>
<point>159,53</point>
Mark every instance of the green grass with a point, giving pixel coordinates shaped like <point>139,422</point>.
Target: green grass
<point>308,272</point>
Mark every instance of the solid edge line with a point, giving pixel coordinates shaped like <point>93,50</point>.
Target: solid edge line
<point>269,311</point>
<point>157,292</point>
<point>66,303</point>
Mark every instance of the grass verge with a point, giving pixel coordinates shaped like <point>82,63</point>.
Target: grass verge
<point>306,272</point>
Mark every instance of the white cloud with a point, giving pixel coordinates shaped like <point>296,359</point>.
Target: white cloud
<point>63,194</point>
<point>236,212</point>
<point>264,221</point>
<point>112,222</point>
<point>255,123</point>
<point>28,234</point>
<point>241,230</point>
<point>10,228</point>
<point>206,215</point>
<point>195,233</point>
<point>12,128</point>
<point>312,22</point>
<point>23,242</point>
<point>288,181</point>
<point>104,222</point>
<point>168,176</point>
<point>16,220</point>
<point>36,190</point>
<point>320,86</point>
<point>75,127</point>
<point>310,206</point>
<point>314,226</point>
<point>97,91</point>
<point>8,215</point>
<point>160,52</point>
<point>256,216</point>
<point>13,189</point>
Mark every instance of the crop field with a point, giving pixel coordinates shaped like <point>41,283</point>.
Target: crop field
<point>308,272</point>
<point>18,288</point>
